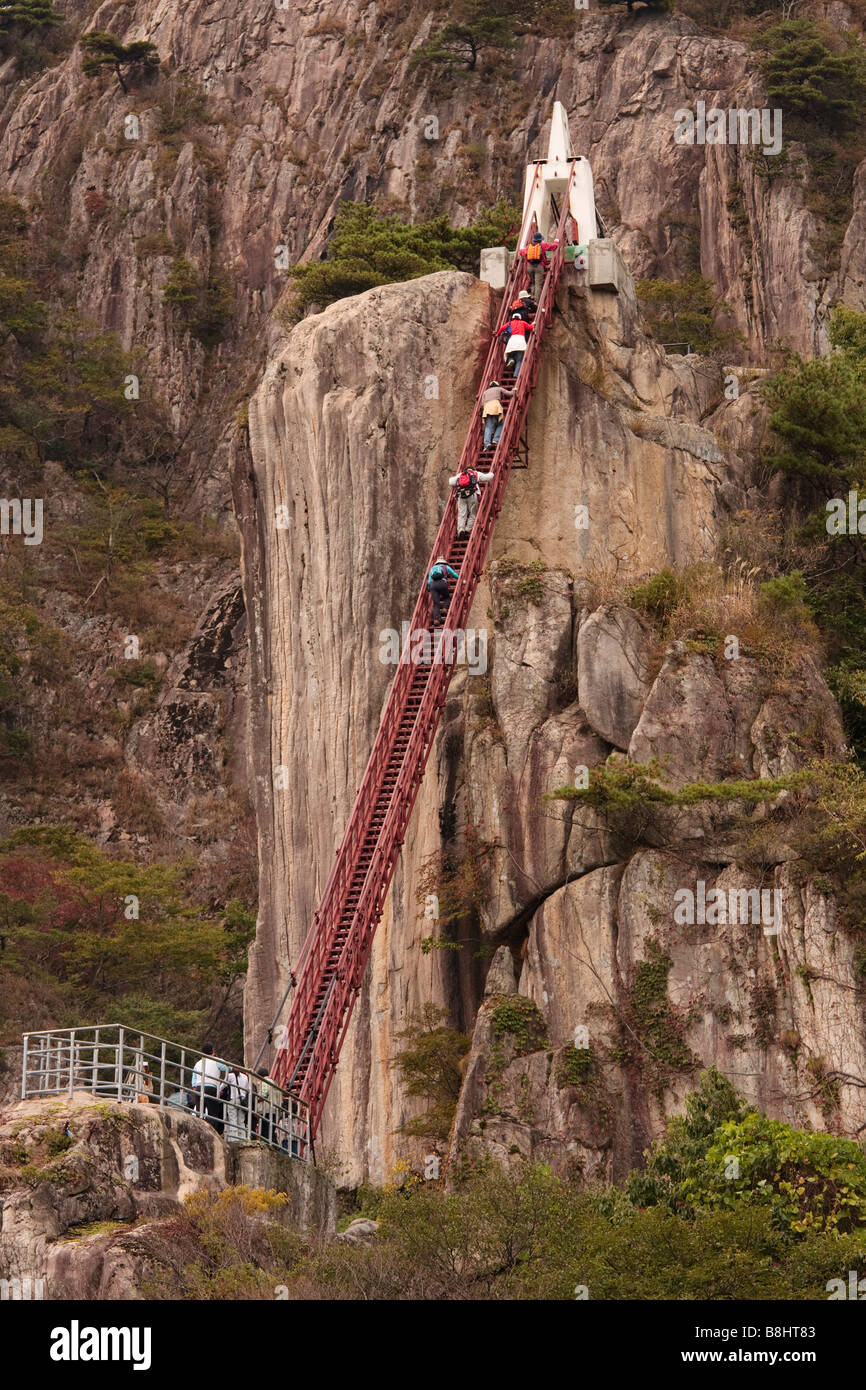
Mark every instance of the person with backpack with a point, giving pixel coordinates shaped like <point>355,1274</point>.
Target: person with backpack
<point>492,413</point>
<point>235,1093</point>
<point>517,331</point>
<point>535,255</point>
<point>468,485</point>
<point>207,1077</point>
<point>524,307</point>
<point>437,587</point>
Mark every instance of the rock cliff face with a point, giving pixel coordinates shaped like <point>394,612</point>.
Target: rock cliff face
<point>69,1163</point>
<point>340,433</point>
<point>262,120</point>
<point>349,387</point>
<point>85,1184</point>
<point>599,950</point>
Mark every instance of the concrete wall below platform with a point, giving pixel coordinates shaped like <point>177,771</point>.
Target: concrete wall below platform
<point>312,1193</point>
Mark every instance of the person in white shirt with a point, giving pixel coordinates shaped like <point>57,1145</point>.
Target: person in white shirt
<point>238,1090</point>
<point>209,1071</point>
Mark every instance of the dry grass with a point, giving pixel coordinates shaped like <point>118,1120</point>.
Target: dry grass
<point>767,541</point>
<point>705,605</point>
<point>135,806</point>
<point>602,582</point>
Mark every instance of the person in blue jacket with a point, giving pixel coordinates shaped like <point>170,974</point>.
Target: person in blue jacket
<point>437,584</point>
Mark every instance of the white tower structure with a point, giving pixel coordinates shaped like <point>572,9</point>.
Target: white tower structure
<point>547,180</point>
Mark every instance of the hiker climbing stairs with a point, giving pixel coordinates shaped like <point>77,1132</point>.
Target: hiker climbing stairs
<point>330,970</point>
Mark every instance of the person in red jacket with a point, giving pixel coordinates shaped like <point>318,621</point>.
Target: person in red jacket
<point>535,255</point>
<point>515,333</point>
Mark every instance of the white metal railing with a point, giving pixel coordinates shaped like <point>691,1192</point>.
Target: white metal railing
<point>124,1064</point>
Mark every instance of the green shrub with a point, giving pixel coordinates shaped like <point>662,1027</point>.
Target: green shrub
<point>652,1029</point>
<point>226,1246</point>
<point>136,672</point>
<point>786,594</point>
<point>818,414</point>
<point>659,596</point>
<point>574,1065</point>
<point>58,1141</point>
<point>520,1020</point>
<point>622,785</point>
<point>685,311</point>
<point>369,248</point>
<point>181,288</point>
<point>847,680</point>
<point>848,331</point>
<point>429,1067</point>
<point>724,1255</point>
<point>723,1153</point>
<point>204,304</point>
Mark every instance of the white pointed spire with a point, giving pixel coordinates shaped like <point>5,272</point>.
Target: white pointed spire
<point>547,181</point>
<point>559,144</point>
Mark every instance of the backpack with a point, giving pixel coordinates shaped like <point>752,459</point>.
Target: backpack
<point>238,1090</point>
<point>466,484</point>
<point>436,573</point>
<point>534,251</point>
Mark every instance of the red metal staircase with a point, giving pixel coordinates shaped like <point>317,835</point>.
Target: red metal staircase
<point>330,969</point>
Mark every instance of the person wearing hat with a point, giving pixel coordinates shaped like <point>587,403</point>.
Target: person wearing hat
<point>535,255</point>
<point>493,413</point>
<point>515,333</point>
<point>437,587</point>
<point>524,307</point>
<point>468,485</point>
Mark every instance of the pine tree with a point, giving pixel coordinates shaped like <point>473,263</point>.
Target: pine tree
<point>821,79</point>
<point>105,50</point>
<point>26,15</point>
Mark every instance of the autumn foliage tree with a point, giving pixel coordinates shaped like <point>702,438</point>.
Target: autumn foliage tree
<point>110,939</point>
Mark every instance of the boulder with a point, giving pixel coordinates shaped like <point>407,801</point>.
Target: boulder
<point>359,1232</point>
<point>613,664</point>
<point>500,976</point>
